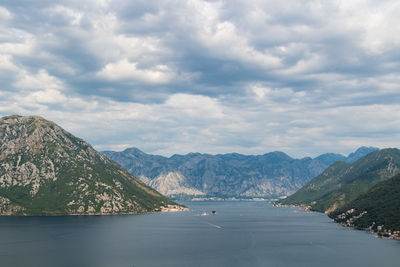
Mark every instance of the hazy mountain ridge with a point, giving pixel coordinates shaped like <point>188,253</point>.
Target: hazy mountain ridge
<point>341,183</point>
<point>44,170</point>
<point>226,175</point>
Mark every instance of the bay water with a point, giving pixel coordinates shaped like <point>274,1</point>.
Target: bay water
<point>242,233</point>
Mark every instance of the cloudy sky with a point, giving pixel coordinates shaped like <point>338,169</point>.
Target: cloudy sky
<point>302,76</point>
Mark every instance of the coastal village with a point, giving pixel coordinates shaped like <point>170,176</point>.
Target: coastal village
<point>347,219</point>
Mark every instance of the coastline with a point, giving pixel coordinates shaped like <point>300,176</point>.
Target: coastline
<point>305,208</point>
<point>174,208</point>
<point>381,231</point>
<point>169,208</point>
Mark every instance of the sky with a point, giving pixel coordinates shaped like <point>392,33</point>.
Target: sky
<point>302,76</point>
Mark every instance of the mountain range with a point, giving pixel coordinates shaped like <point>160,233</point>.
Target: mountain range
<point>273,174</point>
<point>45,170</point>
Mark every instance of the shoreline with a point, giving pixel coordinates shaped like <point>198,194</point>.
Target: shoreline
<point>173,208</point>
<point>305,208</point>
<point>384,234</point>
<point>169,208</point>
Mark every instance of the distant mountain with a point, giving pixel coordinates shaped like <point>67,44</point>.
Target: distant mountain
<point>359,153</point>
<point>330,158</point>
<point>228,175</point>
<point>44,170</point>
<point>342,182</point>
<point>378,209</point>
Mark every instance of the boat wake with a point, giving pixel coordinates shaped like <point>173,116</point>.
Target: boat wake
<point>214,225</point>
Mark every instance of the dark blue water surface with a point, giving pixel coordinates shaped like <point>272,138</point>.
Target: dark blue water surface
<point>241,234</point>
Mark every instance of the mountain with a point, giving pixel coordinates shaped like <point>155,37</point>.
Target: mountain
<point>359,153</point>
<point>330,158</point>
<point>44,170</point>
<point>378,209</point>
<point>225,175</point>
<point>343,182</point>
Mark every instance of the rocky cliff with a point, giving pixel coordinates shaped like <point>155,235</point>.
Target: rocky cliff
<point>44,170</point>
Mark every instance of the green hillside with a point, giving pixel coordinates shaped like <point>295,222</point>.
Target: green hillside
<point>378,209</point>
<point>342,182</point>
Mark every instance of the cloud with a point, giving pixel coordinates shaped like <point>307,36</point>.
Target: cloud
<point>209,76</point>
<point>197,106</point>
<point>6,63</point>
<point>40,80</point>
<point>125,70</point>
<point>68,15</point>
<point>5,14</point>
<point>49,96</point>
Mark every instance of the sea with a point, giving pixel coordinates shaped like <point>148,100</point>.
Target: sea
<point>241,233</point>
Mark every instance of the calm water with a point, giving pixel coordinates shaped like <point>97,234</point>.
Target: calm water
<point>241,234</point>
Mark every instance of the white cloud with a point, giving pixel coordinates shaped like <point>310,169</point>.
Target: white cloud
<point>5,14</point>
<point>195,106</point>
<point>40,80</point>
<point>6,63</point>
<point>74,17</point>
<point>18,48</point>
<point>49,96</point>
<point>378,23</point>
<point>126,70</point>
<point>222,39</point>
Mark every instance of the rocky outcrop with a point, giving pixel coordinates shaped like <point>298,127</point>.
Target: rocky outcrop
<point>171,184</point>
<point>44,170</point>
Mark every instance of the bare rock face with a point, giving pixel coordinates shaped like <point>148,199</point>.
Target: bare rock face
<point>44,170</point>
<point>172,184</point>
